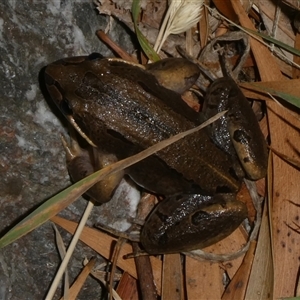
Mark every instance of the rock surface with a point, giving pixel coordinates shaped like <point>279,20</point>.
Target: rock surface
<point>32,160</point>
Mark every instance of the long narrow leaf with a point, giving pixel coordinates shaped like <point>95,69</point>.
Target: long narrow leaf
<point>147,48</point>
<point>286,90</point>
<point>274,41</point>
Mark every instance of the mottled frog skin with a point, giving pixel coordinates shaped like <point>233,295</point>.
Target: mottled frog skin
<point>124,108</point>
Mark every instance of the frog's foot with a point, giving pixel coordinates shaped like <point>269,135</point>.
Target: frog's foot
<point>228,45</point>
<point>82,162</point>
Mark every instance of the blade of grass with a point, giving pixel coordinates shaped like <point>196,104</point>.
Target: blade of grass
<point>62,253</point>
<point>147,48</point>
<point>70,251</point>
<point>274,41</point>
<point>57,203</point>
<point>286,90</point>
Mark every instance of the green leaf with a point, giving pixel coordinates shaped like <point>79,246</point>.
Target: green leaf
<point>274,41</point>
<point>292,99</point>
<point>287,97</point>
<point>147,48</point>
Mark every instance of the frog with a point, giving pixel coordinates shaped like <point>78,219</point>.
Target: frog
<point>124,108</point>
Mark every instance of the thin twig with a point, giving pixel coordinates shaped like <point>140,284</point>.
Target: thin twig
<point>280,55</point>
<point>69,253</point>
<point>109,42</point>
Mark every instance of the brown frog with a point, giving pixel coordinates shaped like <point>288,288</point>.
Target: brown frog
<point>123,109</point>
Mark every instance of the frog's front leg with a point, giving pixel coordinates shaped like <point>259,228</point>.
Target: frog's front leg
<point>188,222</point>
<point>82,162</point>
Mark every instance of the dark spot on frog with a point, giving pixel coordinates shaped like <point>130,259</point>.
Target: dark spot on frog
<point>293,241</point>
<point>198,217</point>
<point>240,136</point>
<point>118,136</point>
<point>161,216</point>
<point>223,189</point>
<point>233,92</point>
<point>278,230</point>
<point>246,159</point>
<point>283,244</point>
<point>177,198</point>
<point>163,64</point>
<point>212,106</point>
<point>145,87</point>
<point>289,233</point>
<point>163,239</point>
<point>234,117</point>
<point>297,218</point>
<point>277,194</point>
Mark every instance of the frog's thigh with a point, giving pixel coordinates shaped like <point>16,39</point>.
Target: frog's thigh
<point>189,222</point>
<point>81,163</point>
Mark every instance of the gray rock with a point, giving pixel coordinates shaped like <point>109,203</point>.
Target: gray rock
<point>32,161</point>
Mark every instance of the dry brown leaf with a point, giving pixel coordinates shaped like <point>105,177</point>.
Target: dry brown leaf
<point>285,32</point>
<point>232,244</point>
<point>238,285</point>
<point>225,8</point>
<point>102,243</point>
<point>260,282</point>
<point>204,26</point>
<point>154,12</point>
<point>128,287</point>
<point>286,244</point>
<point>77,285</point>
<point>172,279</point>
<point>203,279</point>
